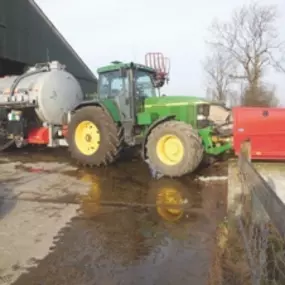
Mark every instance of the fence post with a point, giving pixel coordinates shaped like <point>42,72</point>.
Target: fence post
<point>235,181</point>
<point>246,150</point>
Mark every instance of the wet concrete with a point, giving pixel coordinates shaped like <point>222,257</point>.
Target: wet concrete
<point>64,225</point>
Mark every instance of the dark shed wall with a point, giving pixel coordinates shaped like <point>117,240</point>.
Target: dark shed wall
<point>27,36</point>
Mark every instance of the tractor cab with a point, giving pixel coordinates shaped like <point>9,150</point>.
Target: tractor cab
<point>134,79</point>
<point>126,79</point>
<point>130,84</point>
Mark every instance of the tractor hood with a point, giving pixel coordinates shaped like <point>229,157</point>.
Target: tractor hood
<point>173,101</point>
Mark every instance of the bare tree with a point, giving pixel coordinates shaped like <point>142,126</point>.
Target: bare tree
<point>250,39</point>
<point>266,97</point>
<point>217,68</point>
<point>234,98</point>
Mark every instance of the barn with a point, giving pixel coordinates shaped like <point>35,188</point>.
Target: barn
<point>27,37</point>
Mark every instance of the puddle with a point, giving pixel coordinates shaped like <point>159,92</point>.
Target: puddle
<point>168,199</point>
<point>130,228</point>
<point>212,178</point>
<point>123,232</point>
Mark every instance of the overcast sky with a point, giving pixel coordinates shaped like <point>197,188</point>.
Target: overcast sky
<point>103,31</point>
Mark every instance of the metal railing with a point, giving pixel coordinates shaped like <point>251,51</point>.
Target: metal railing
<point>259,220</point>
<point>250,243</point>
<point>262,225</point>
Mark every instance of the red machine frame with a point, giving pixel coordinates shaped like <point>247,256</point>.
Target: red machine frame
<point>264,127</point>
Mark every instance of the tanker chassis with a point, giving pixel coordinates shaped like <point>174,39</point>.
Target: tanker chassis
<point>46,106</point>
<point>35,106</point>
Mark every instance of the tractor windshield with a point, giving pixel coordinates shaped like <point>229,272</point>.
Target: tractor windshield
<point>144,84</point>
<point>112,84</point>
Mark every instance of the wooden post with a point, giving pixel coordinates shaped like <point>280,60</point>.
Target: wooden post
<point>246,150</point>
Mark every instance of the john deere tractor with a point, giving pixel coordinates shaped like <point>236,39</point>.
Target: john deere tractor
<point>174,131</point>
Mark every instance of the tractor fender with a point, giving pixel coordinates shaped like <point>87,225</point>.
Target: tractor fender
<point>88,103</point>
<point>109,107</point>
<point>150,128</point>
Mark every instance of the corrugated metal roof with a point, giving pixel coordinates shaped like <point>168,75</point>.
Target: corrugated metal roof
<point>60,36</point>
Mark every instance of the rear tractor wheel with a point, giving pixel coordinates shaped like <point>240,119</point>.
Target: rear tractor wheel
<point>93,137</point>
<point>174,148</point>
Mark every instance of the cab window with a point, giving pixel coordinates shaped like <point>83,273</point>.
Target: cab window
<point>111,84</point>
<point>144,84</point>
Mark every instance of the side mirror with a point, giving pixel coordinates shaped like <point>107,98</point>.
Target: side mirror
<point>123,72</point>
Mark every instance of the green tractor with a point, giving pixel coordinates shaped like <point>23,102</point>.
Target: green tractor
<point>174,131</point>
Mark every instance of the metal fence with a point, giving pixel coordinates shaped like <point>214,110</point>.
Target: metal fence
<point>250,242</point>
<point>260,220</point>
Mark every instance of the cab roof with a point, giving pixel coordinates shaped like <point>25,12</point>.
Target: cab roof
<point>116,65</point>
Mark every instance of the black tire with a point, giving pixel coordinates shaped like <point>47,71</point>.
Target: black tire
<point>111,137</point>
<point>191,142</point>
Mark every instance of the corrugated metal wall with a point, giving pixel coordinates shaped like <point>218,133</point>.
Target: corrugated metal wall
<point>27,36</point>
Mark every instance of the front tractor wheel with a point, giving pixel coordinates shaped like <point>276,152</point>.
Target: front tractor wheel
<point>93,137</point>
<point>174,148</point>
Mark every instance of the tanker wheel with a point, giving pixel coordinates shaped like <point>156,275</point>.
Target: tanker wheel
<point>174,148</point>
<point>93,137</point>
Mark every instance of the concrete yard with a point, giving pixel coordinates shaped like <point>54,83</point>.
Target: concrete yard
<point>273,173</point>
<point>64,225</point>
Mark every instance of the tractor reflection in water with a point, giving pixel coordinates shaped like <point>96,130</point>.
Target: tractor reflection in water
<point>133,226</point>
<point>90,203</point>
<point>165,199</point>
<point>171,198</point>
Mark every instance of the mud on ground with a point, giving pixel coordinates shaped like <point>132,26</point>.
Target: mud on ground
<point>66,225</point>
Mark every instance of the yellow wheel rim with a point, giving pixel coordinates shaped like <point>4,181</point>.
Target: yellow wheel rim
<point>170,149</point>
<point>169,197</point>
<point>87,138</point>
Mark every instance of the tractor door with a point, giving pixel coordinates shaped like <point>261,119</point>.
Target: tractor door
<point>118,86</point>
<point>123,97</point>
<point>115,86</point>
<point>143,89</point>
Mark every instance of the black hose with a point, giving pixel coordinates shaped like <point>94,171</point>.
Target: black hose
<point>7,144</point>
<point>25,75</point>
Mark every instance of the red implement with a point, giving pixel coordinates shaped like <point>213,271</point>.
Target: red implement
<point>38,136</point>
<point>159,63</point>
<point>264,127</point>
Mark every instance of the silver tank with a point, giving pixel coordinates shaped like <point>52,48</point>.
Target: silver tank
<point>49,87</point>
